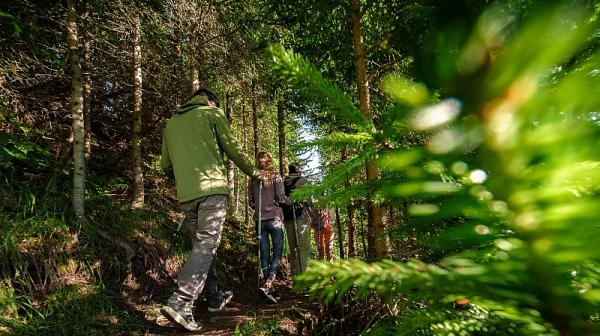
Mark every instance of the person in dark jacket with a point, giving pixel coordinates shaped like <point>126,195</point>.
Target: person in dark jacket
<point>271,221</point>
<point>195,141</point>
<point>302,224</point>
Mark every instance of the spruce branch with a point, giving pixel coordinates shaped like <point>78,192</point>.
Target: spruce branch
<point>303,74</point>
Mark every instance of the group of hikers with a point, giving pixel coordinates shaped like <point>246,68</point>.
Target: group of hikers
<point>296,223</point>
<point>195,141</point>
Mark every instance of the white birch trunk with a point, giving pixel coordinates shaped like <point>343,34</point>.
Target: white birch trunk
<point>136,139</point>
<point>78,129</point>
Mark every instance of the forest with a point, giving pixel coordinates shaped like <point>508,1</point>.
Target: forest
<point>454,142</point>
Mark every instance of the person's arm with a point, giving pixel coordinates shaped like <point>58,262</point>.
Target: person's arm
<point>232,147</point>
<point>165,159</point>
<point>280,190</point>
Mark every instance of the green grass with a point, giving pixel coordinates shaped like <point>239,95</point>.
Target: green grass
<point>69,310</point>
<point>58,276</point>
<point>258,326</point>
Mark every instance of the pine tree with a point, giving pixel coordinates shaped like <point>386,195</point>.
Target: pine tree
<point>503,187</point>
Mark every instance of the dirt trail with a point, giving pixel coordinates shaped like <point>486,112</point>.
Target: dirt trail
<point>241,308</point>
<point>236,269</point>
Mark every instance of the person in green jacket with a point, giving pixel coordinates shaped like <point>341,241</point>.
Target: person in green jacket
<point>195,141</point>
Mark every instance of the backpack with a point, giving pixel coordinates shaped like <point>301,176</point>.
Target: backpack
<point>288,213</point>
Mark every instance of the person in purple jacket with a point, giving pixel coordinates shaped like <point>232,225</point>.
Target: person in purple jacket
<point>271,221</point>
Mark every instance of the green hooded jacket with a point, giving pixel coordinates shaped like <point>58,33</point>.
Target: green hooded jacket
<point>194,143</point>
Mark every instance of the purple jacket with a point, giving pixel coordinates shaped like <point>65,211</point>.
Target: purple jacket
<point>269,210</point>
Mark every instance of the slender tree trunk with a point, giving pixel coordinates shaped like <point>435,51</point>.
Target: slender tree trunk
<point>136,140</point>
<point>351,231</point>
<point>78,127</point>
<point>194,80</point>
<point>405,241</point>
<point>364,233</point>
<point>377,248</point>
<point>391,222</point>
<point>340,236</point>
<point>237,198</point>
<point>255,117</point>
<point>87,87</point>
<point>230,166</point>
<point>281,126</point>
<point>245,146</point>
<point>350,212</point>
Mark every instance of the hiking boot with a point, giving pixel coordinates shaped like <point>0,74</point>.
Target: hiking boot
<point>181,315</point>
<point>268,292</point>
<point>217,304</point>
<point>276,294</point>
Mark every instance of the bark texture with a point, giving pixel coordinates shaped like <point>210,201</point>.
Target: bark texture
<point>377,248</point>
<point>255,117</point>
<point>351,220</point>
<point>245,147</point>
<point>136,138</point>
<point>194,79</point>
<point>281,128</point>
<point>87,87</point>
<point>78,127</point>
<point>230,164</point>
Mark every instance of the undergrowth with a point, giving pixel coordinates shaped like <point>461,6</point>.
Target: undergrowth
<point>258,326</point>
<point>61,276</point>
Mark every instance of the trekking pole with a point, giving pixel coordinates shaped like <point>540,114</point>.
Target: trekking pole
<point>296,233</point>
<point>175,235</point>
<point>286,246</point>
<point>260,186</point>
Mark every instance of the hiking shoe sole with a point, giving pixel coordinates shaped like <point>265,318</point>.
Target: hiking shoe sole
<point>223,303</point>
<point>177,319</point>
<point>268,295</point>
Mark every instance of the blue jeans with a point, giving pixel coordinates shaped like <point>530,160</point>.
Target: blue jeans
<point>274,229</point>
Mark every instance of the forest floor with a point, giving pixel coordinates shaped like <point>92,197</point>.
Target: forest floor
<point>242,308</point>
<point>294,314</point>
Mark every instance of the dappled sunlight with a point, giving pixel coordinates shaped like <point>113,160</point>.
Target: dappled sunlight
<point>506,189</point>
<point>403,89</point>
<point>455,141</point>
<point>436,115</point>
<point>478,176</point>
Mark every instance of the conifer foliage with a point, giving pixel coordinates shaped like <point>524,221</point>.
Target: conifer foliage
<point>505,187</point>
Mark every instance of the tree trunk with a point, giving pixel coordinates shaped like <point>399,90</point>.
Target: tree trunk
<point>340,237</point>
<point>230,166</point>
<point>377,248</point>
<point>245,146</point>
<point>194,80</point>
<point>364,233</point>
<point>136,140</point>
<point>281,126</point>
<point>78,127</point>
<point>255,118</point>
<point>391,222</point>
<point>87,87</point>
<point>350,212</point>
<point>351,231</point>
<point>237,198</point>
